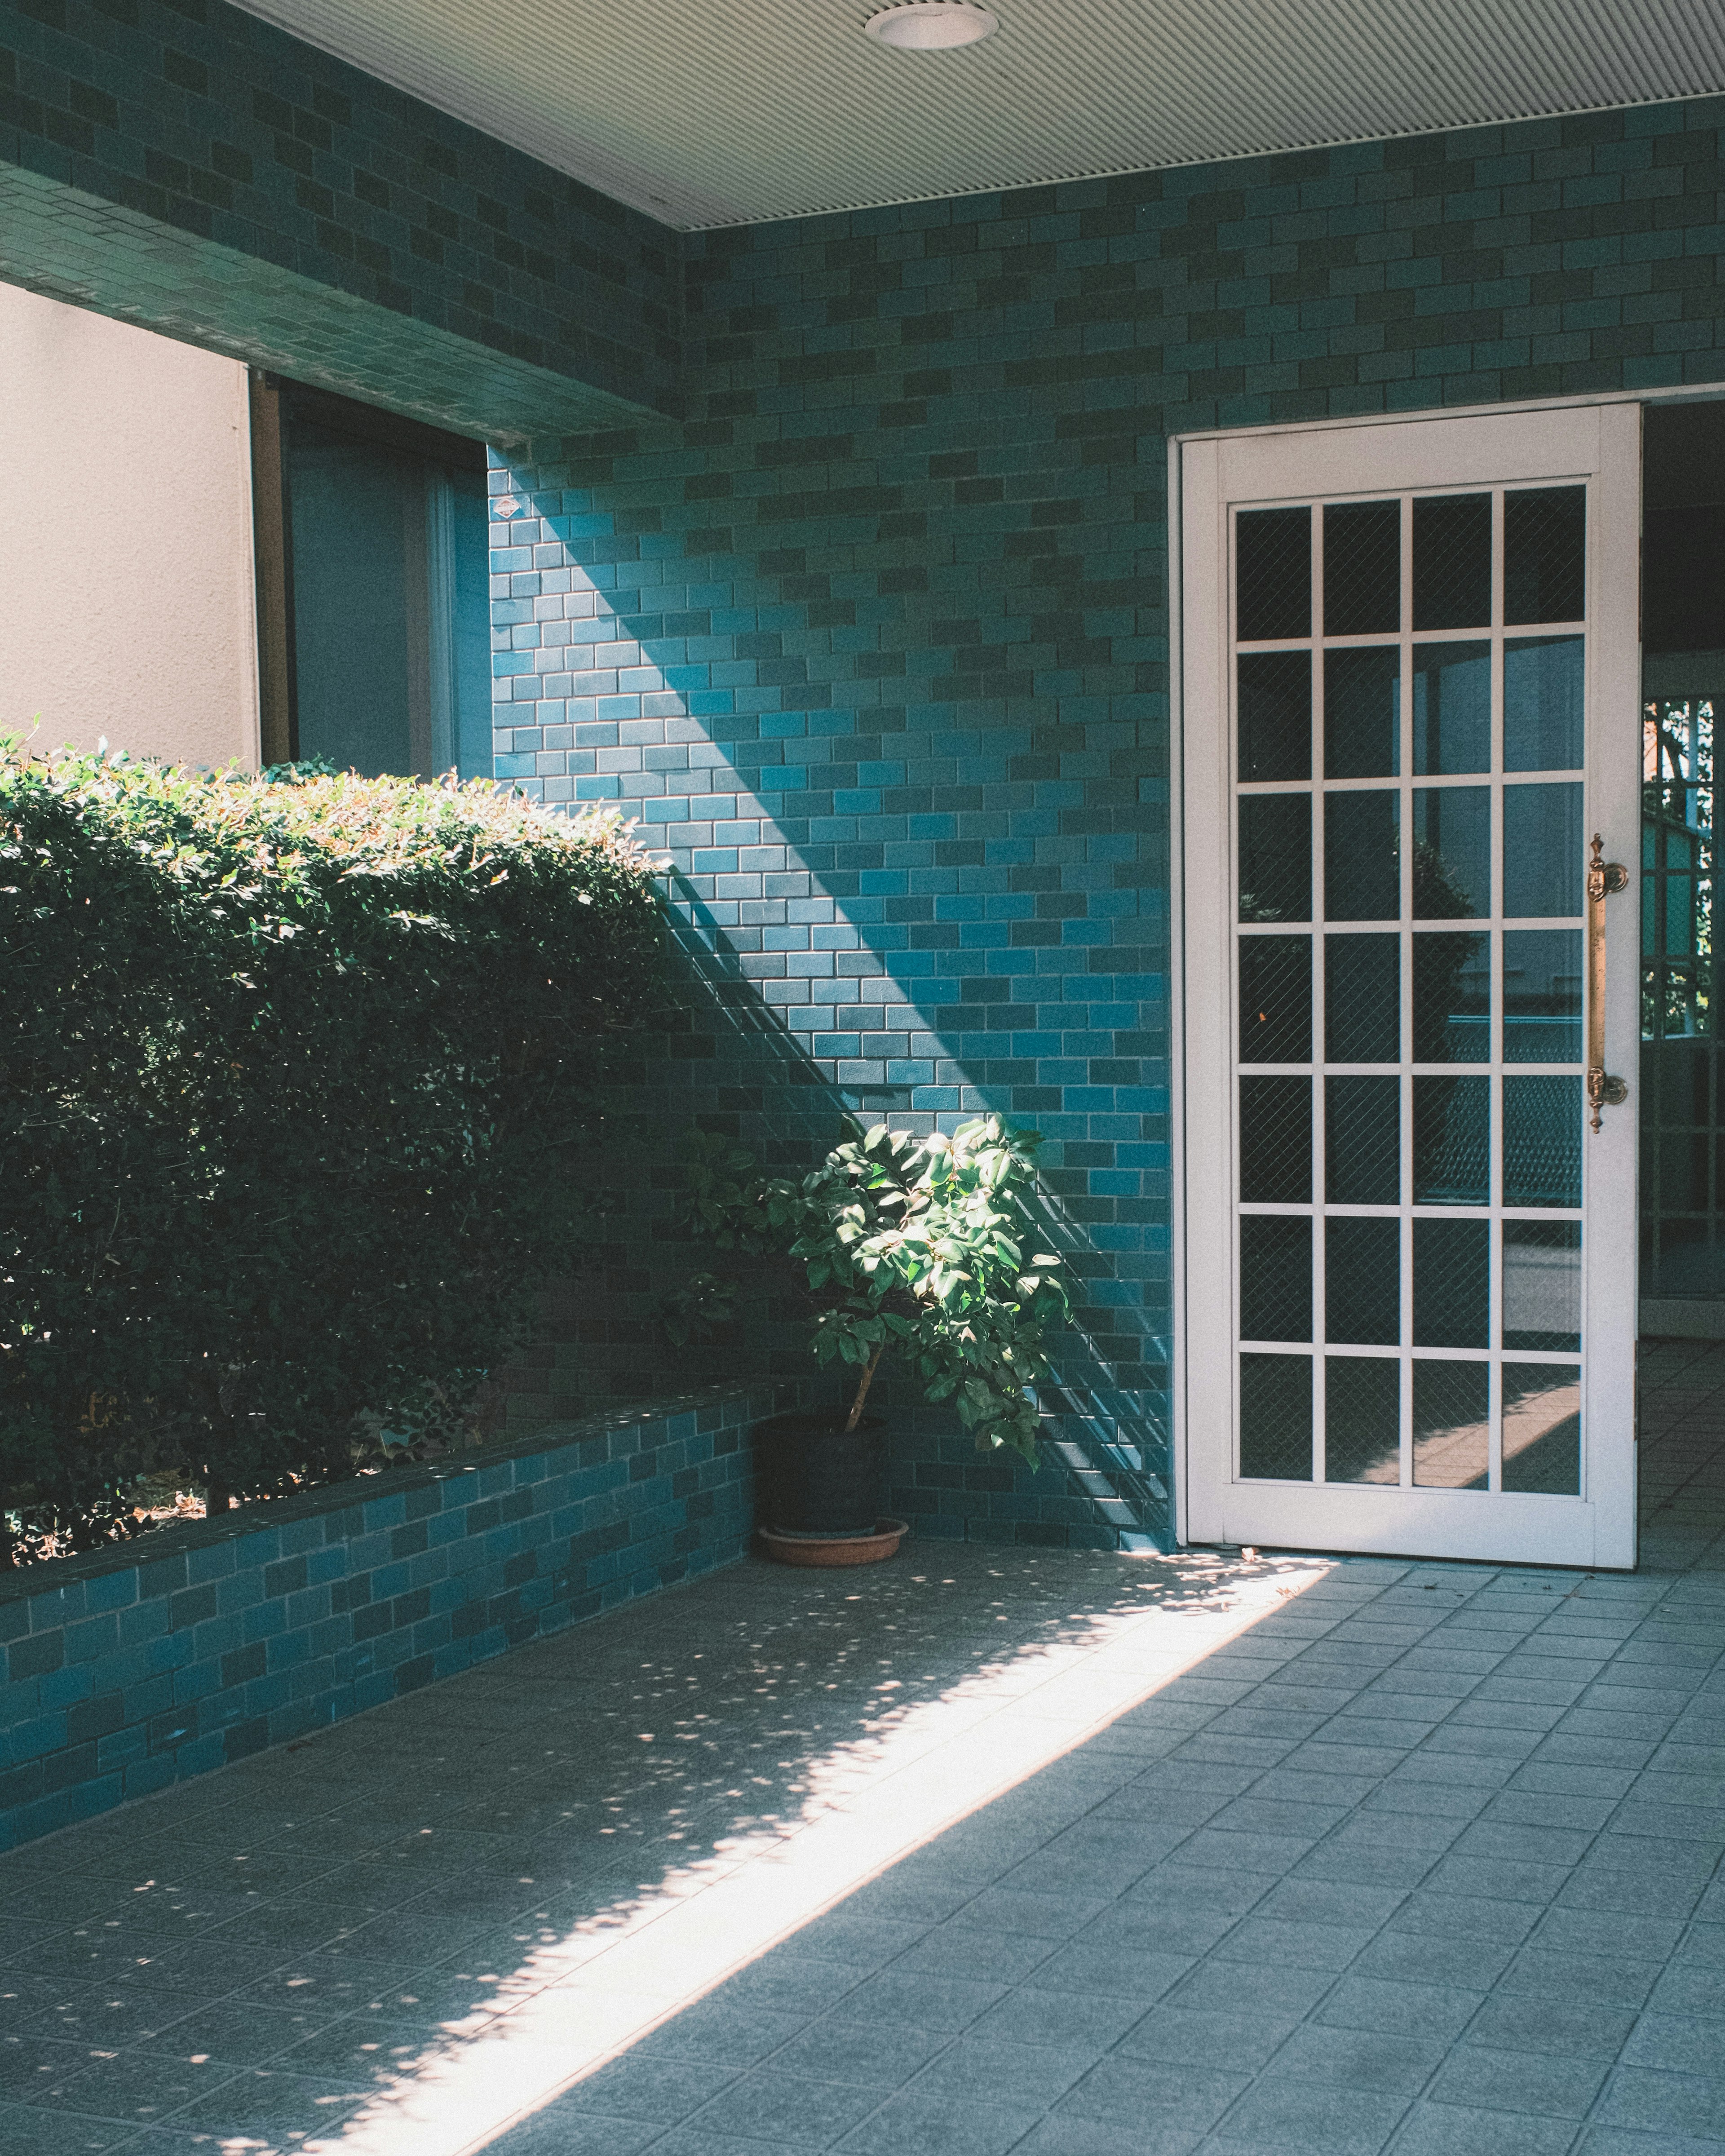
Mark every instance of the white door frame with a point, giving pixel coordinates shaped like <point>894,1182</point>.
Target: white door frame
<point>1616,687</point>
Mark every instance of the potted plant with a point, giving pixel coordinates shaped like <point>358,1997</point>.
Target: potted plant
<point>923,1248</point>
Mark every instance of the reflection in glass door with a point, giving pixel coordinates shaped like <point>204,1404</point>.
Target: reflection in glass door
<point>1408,707</point>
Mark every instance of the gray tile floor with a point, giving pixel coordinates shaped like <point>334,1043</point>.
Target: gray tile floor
<point>1287,1857</point>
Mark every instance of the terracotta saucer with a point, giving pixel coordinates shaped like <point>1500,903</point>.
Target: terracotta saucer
<point>826,1550</point>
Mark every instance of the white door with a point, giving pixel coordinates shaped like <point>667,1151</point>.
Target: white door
<point>1411,698</point>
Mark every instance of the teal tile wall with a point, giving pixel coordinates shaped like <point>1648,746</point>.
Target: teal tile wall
<point>184,165</point>
<point>138,1666</point>
<point>876,645</point>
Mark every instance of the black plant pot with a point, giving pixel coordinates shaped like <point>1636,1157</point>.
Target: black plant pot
<point>818,1478</point>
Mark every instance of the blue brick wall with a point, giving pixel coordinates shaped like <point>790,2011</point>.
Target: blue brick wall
<point>181,164</point>
<point>129,1669</point>
<point>876,645</point>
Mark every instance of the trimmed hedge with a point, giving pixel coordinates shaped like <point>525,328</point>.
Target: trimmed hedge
<point>291,1071</point>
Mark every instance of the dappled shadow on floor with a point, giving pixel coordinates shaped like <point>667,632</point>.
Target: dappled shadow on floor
<point>463,1900</point>
<point>1066,1854</point>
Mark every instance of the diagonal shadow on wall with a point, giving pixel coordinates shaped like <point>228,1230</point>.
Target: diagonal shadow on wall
<point>767,919</point>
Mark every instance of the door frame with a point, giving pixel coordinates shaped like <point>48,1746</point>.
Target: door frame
<point>1623,1055</point>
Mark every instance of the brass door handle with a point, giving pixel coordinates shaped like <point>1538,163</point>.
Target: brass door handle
<point>1604,879</point>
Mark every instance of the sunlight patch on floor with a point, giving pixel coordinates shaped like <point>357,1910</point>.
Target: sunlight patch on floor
<point>636,1962</point>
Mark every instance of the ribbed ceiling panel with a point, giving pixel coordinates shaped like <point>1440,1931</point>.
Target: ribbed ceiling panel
<point>713,112</point>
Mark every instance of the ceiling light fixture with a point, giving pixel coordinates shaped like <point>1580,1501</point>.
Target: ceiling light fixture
<point>932,26</point>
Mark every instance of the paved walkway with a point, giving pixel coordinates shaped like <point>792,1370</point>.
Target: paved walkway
<point>1062,1855</point>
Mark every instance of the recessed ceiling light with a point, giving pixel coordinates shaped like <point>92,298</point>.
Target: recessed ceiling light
<point>930,26</point>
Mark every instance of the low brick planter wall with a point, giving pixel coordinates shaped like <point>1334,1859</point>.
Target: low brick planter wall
<point>130,1668</point>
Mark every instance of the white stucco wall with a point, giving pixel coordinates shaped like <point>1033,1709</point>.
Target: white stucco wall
<point>126,598</point>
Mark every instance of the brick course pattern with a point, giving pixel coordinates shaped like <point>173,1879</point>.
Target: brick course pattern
<point>129,1669</point>
<point>181,164</point>
<point>876,644</point>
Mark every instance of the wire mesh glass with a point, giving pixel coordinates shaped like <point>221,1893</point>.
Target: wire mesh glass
<point>1452,853</point>
<point>1452,1284</point>
<point>1272,595</point>
<point>1362,1275</point>
<point>1363,999</point>
<point>1275,1276</point>
<point>1275,857</point>
<point>1544,850</point>
<point>1542,995</point>
<point>1542,1285</point>
<point>1542,1142</point>
<point>1452,708</point>
<point>1544,703</point>
<point>1274,710</point>
<point>1452,561</point>
<point>1363,712</point>
<point>1475,1111</point>
<point>1275,999</point>
<point>1545,554</point>
<point>1542,1429</point>
<point>1363,1440</point>
<point>1452,1140</point>
<point>1362,856</point>
<point>1362,1148</point>
<point>1276,1140</point>
<point>1275,1417</point>
<point>1452,1425</point>
<point>1452,998</point>
<point>1363,567</point>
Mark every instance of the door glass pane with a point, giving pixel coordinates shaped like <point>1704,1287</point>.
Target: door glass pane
<point>1363,712</point>
<point>1363,567</point>
<point>1452,852</point>
<point>1273,574</point>
<point>1452,1431</point>
<point>1423,1302</point>
<point>1542,1142</point>
<point>1275,857</point>
<point>1542,1285</point>
<point>1275,712</point>
<point>1542,1428</point>
<point>1542,995</point>
<point>1362,1140</point>
<point>1452,1126</point>
<point>1275,1277</point>
<point>1362,868</point>
<point>1363,999</point>
<point>1543,854</point>
<point>1452,1284</point>
<point>1362,1418</point>
<point>1362,1272</point>
<point>1545,554</point>
<point>1543,703</point>
<point>1275,1417</point>
<point>1452,998</point>
<point>1452,708</point>
<point>1452,561</point>
<point>1275,999</point>
<point>1276,1140</point>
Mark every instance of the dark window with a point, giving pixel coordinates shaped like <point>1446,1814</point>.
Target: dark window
<point>386,570</point>
<point>1683,696</point>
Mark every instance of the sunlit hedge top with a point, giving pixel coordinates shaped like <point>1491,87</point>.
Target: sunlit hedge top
<point>274,850</point>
